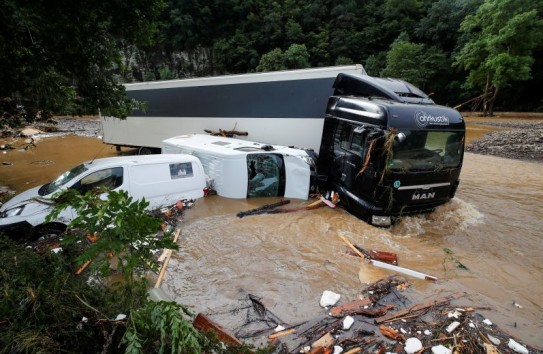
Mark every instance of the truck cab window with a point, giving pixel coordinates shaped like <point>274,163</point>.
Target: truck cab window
<point>266,175</point>
<point>109,178</point>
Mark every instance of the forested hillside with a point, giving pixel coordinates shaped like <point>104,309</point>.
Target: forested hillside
<point>490,51</point>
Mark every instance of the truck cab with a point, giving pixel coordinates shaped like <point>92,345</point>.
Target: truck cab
<point>388,150</point>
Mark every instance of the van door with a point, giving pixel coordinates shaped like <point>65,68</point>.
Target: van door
<point>298,178</point>
<point>110,178</point>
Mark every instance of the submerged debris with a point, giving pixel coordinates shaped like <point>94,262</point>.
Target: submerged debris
<point>384,321</point>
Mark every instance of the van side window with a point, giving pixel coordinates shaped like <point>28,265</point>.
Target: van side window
<point>110,178</point>
<point>181,170</point>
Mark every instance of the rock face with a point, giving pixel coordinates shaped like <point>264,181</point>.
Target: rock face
<point>520,140</point>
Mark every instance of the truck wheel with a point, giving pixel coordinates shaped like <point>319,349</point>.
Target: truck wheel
<point>144,150</point>
<point>48,230</point>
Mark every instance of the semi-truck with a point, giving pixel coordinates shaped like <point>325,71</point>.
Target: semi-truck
<point>384,147</point>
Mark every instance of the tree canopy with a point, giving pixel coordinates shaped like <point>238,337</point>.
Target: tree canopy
<point>66,57</point>
<point>62,56</point>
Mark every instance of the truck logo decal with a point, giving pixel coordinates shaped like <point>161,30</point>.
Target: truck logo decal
<point>423,196</point>
<point>424,119</point>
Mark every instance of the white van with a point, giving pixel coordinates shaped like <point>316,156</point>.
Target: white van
<point>245,169</point>
<point>160,179</point>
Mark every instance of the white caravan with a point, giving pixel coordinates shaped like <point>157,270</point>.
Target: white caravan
<point>282,107</point>
<point>244,169</point>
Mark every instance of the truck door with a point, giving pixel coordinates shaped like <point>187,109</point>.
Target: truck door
<point>353,147</point>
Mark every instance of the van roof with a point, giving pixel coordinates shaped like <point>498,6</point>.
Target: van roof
<point>140,160</point>
<point>228,147</point>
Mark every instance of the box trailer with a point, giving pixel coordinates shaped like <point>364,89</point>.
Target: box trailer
<point>282,107</point>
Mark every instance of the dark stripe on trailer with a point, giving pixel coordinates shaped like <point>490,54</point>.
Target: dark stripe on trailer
<point>276,99</point>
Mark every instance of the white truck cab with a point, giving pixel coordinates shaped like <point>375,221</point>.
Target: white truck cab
<point>160,179</point>
<point>245,169</point>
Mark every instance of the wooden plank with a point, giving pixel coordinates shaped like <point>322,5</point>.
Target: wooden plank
<point>165,263</point>
<point>282,333</point>
<point>204,324</point>
<point>403,270</point>
<point>350,307</point>
<point>401,313</point>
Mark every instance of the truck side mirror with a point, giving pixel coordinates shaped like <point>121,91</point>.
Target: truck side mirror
<point>400,138</point>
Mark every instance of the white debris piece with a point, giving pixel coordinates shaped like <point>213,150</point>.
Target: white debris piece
<point>403,330</point>
<point>487,322</point>
<point>120,317</point>
<point>347,322</point>
<point>279,328</point>
<point>517,305</point>
<point>454,314</point>
<point>452,326</point>
<point>517,347</point>
<point>471,324</point>
<point>440,349</point>
<point>329,298</point>
<point>493,339</point>
<point>84,319</point>
<point>412,345</point>
<point>337,349</point>
<point>56,250</point>
<point>427,332</point>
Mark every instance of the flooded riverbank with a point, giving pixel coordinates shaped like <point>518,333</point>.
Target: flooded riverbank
<point>493,228</point>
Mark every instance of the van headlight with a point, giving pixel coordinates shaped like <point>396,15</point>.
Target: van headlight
<point>12,212</point>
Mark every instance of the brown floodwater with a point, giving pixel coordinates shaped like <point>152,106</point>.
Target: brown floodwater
<point>494,227</point>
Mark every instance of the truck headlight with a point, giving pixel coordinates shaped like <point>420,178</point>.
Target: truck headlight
<point>12,212</point>
<point>381,220</point>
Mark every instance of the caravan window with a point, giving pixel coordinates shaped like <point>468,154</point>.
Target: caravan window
<point>266,175</point>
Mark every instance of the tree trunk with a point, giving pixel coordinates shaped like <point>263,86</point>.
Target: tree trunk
<point>485,96</point>
<point>491,102</point>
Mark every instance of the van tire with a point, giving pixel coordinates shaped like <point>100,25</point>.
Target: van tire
<point>48,230</point>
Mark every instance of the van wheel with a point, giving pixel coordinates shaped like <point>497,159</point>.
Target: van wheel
<point>48,231</point>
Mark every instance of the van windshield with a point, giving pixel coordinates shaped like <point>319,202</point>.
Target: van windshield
<point>62,180</point>
<point>427,150</point>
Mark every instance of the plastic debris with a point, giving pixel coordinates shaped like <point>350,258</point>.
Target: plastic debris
<point>56,250</point>
<point>347,322</point>
<point>454,314</point>
<point>517,305</point>
<point>440,349</point>
<point>120,317</point>
<point>487,322</point>
<point>427,332</point>
<point>412,345</point>
<point>517,347</point>
<point>452,326</point>
<point>337,349</point>
<point>494,340</point>
<point>329,298</point>
<point>279,328</point>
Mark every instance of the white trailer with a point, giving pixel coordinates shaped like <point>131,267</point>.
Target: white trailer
<point>283,107</point>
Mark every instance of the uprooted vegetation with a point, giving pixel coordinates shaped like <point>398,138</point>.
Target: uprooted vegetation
<point>86,291</point>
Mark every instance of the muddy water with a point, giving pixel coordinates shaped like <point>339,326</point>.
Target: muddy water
<point>494,228</point>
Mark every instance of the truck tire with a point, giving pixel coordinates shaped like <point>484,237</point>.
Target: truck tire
<point>144,150</point>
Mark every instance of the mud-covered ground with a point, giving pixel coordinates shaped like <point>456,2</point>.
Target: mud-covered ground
<point>516,139</point>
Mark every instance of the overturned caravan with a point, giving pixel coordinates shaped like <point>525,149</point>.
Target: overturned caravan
<point>388,150</point>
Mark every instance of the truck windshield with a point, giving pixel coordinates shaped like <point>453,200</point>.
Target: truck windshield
<point>427,150</point>
<point>61,180</point>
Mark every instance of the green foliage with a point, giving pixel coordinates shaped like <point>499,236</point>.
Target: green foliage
<point>500,40</point>
<point>272,61</point>
<point>166,323</point>
<point>41,304</point>
<point>126,235</point>
<point>296,57</point>
<point>59,56</point>
<point>413,62</point>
